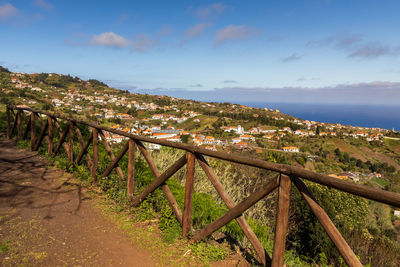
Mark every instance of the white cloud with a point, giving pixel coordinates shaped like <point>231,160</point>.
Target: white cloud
<point>109,39</point>
<point>7,11</point>
<point>232,32</point>
<point>43,4</point>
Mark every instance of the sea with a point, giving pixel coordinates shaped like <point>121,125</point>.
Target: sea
<point>371,116</point>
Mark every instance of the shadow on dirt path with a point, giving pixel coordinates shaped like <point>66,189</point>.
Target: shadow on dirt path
<point>47,220</point>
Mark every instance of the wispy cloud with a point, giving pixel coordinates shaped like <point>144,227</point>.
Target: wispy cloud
<point>43,4</point>
<point>302,79</point>
<point>292,57</point>
<point>215,9</point>
<point>356,46</point>
<point>121,19</point>
<point>143,43</point>
<point>165,31</point>
<point>193,32</point>
<point>232,33</point>
<point>8,11</point>
<point>196,85</point>
<point>109,39</point>
<point>372,50</point>
<point>338,41</point>
<point>229,81</point>
<point>196,30</point>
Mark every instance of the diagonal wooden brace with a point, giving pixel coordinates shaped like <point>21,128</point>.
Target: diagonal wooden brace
<point>42,134</point>
<point>167,192</point>
<point>160,180</point>
<point>84,147</point>
<point>251,236</point>
<point>115,161</point>
<point>236,211</point>
<point>110,153</point>
<point>62,140</point>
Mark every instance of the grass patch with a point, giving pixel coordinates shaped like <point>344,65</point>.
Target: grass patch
<point>5,246</point>
<point>380,182</point>
<point>208,252</point>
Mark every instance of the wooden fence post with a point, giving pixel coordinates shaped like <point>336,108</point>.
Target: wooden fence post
<point>50,136</point>
<point>281,221</point>
<point>33,129</point>
<point>41,136</point>
<point>19,120</point>
<point>131,170</point>
<point>95,133</point>
<point>347,253</point>
<point>8,123</point>
<point>71,143</point>
<point>187,211</point>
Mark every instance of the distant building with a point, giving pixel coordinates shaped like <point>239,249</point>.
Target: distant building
<point>290,149</point>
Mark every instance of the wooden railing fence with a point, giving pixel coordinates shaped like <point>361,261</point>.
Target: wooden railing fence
<point>287,175</point>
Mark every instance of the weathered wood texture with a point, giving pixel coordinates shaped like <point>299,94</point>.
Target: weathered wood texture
<point>187,210</point>
<point>340,243</point>
<point>71,142</point>
<point>14,123</point>
<point>281,221</point>
<point>33,130</point>
<point>8,112</point>
<point>95,138</point>
<point>19,122</point>
<point>50,136</point>
<point>131,170</point>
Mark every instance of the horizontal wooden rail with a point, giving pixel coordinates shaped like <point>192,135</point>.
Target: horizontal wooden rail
<point>379,195</point>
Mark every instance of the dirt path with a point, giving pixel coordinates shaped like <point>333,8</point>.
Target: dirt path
<point>47,220</point>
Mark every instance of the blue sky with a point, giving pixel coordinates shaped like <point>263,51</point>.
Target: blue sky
<point>339,49</point>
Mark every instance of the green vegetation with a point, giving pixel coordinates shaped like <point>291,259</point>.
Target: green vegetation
<point>367,226</point>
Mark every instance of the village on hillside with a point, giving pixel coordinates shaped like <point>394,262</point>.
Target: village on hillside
<point>213,126</point>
